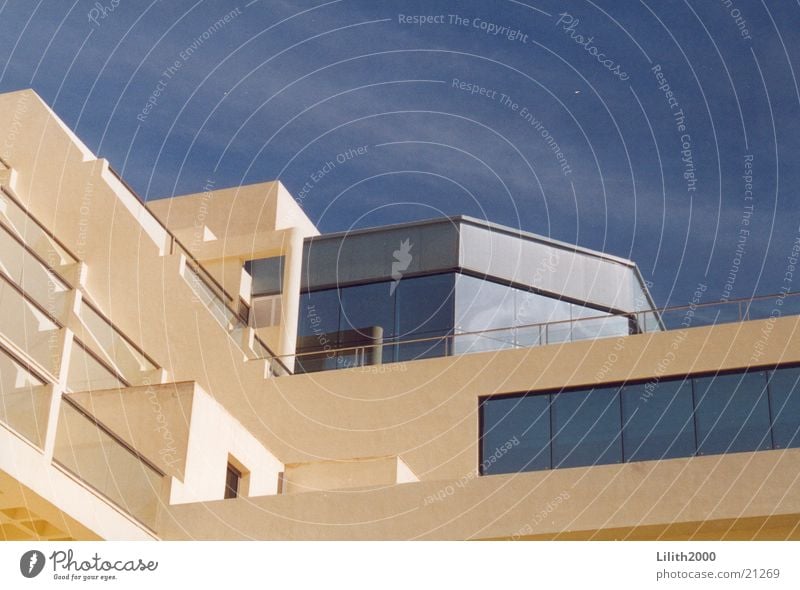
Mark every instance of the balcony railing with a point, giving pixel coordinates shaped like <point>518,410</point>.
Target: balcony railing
<point>98,458</point>
<point>224,307</point>
<point>24,399</point>
<point>388,350</point>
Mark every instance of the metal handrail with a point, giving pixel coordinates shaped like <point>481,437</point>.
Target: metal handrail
<point>546,326</point>
<point>215,285</point>
<point>7,191</point>
<point>200,270</point>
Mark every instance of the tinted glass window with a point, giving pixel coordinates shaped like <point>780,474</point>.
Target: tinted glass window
<point>592,323</point>
<point>516,434</point>
<point>267,275</point>
<point>658,420</point>
<point>425,305</point>
<point>784,388</point>
<point>378,254</point>
<point>533,310</point>
<point>732,413</point>
<point>368,311</point>
<point>586,428</point>
<point>429,346</point>
<point>318,313</point>
<point>482,306</point>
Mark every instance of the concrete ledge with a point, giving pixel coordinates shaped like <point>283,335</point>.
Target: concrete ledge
<point>644,499</point>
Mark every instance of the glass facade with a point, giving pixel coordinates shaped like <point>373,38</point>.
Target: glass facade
<point>435,315</point>
<point>376,255</point>
<point>375,323</point>
<point>444,287</point>
<point>734,412</point>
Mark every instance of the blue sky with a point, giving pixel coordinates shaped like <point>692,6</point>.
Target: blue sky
<point>286,86</point>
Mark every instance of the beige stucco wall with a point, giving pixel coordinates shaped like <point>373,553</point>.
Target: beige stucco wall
<point>641,500</point>
<point>337,475</point>
<point>181,430</point>
<point>224,228</point>
<point>213,437</point>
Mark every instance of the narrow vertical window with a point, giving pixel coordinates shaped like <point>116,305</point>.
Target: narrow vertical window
<point>232,478</point>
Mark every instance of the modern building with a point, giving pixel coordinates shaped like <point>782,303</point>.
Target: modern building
<point>210,367</point>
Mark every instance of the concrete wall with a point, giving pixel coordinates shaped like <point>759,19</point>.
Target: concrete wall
<point>738,496</point>
<point>214,437</point>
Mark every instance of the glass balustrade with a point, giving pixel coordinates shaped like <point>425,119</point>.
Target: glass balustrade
<point>100,460</point>
<point>27,326</point>
<point>37,239</point>
<point>24,400</point>
<point>86,373</point>
<point>118,351</point>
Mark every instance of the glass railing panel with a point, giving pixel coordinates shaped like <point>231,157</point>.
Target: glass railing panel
<point>206,295</point>
<point>558,332</point>
<point>483,342</point>
<point>528,336</point>
<point>312,361</point>
<point>121,353</point>
<point>24,400</point>
<point>762,309</point>
<point>29,328</point>
<point>105,464</point>
<point>32,234</point>
<point>649,321</point>
<point>86,373</point>
<point>31,276</point>
<point>209,294</point>
<point>594,328</point>
<point>422,346</point>
<point>790,305</point>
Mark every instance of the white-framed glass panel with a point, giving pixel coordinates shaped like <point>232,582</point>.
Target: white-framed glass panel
<point>24,400</point>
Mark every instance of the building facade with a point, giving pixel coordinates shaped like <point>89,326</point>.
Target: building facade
<point>210,367</point>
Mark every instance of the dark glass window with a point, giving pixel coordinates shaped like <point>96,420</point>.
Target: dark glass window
<point>784,389</point>
<point>516,434</point>
<point>267,275</point>
<point>368,310</point>
<point>732,413</point>
<point>317,331</point>
<point>232,478</point>
<point>658,420</point>
<point>318,314</point>
<point>430,346</point>
<point>674,418</point>
<point>425,305</point>
<point>586,428</point>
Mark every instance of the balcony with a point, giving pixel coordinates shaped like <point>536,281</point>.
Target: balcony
<point>317,355</point>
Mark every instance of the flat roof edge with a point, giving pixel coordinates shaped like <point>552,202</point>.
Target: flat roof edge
<point>485,224</point>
